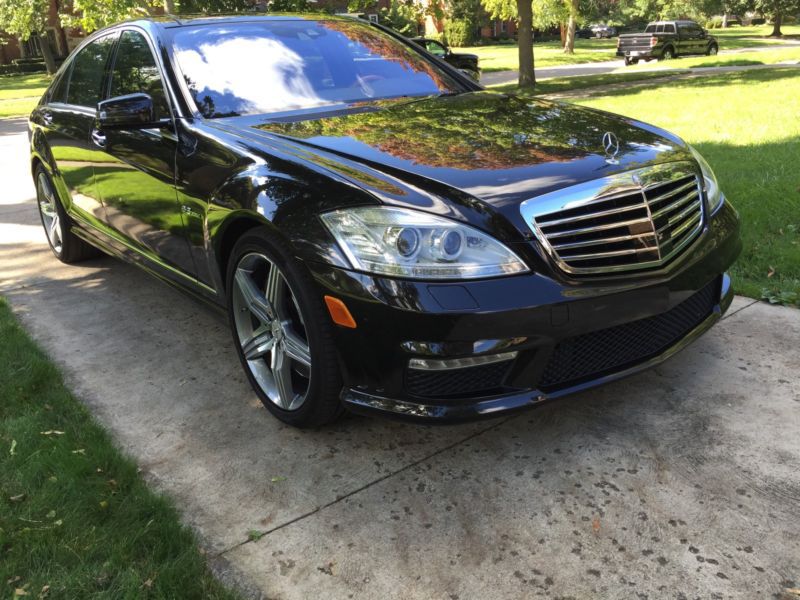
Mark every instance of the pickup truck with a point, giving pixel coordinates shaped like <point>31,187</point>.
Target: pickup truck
<point>664,40</point>
<point>466,63</point>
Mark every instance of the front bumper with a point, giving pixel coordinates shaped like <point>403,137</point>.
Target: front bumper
<point>541,317</point>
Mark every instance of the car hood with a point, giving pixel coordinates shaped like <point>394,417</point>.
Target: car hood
<point>474,148</point>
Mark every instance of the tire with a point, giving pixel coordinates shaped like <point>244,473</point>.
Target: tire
<point>713,49</point>
<point>668,53</point>
<point>631,61</point>
<point>291,361</point>
<point>472,74</point>
<point>66,246</point>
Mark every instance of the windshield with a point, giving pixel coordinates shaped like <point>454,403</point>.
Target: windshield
<point>286,65</point>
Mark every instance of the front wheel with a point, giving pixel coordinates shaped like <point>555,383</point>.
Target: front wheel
<point>712,50</point>
<point>282,332</point>
<point>66,246</point>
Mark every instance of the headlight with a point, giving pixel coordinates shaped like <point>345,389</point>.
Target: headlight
<point>407,243</point>
<point>710,185</point>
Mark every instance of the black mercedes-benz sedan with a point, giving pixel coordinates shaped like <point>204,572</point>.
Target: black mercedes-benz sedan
<point>385,235</point>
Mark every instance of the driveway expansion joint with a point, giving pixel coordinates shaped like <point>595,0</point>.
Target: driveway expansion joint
<point>297,519</point>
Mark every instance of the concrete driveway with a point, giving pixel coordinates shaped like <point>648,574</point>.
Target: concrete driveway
<point>682,482</point>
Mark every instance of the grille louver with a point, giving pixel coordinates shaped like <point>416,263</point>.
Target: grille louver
<point>632,221</point>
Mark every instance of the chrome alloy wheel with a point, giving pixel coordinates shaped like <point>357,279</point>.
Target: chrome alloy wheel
<point>49,211</point>
<point>271,331</point>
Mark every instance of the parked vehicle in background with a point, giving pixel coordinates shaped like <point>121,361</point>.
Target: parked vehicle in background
<point>599,30</point>
<point>466,63</point>
<point>664,40</point>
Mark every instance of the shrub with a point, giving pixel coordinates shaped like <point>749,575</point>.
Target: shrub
<point>459,32</point>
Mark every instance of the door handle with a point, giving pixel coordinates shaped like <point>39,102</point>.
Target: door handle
<point>99,138</point>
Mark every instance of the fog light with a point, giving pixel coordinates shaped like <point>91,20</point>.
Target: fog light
<point>427,364</point>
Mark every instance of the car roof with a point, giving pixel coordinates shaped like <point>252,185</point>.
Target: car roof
<point>201,19</point>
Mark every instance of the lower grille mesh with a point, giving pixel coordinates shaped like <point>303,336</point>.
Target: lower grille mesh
<point>455,382</point>
<point>593,354</point>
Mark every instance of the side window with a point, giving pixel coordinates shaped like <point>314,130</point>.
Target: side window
<point>436,49</point>
<point>135,71</point>
<point>59,91</point>
<point>669,28</point>
<point>88,69</point>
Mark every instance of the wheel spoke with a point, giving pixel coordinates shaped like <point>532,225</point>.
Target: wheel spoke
<point>296,348</point>
<point>282,372</point>
<point>55,231</point>
<point>254,300</point>
<point>47,208</point>
<point>258,345</point>
<point>274,289</point>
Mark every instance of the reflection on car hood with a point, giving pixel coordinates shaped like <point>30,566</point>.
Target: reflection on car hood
<point>497,148</point>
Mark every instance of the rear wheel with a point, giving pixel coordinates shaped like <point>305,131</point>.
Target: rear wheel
<point>283,333</point>
<point>66,246</point>
<point>668,53</point>
<point>712,50</point>
<point>631,61</point>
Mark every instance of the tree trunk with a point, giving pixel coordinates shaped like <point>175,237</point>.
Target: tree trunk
<point>562,30</point>
<point>47,54</point>
<point>527,78</point>
<point>169,7</point>
<point>777,21</point>
<point>569,43</point>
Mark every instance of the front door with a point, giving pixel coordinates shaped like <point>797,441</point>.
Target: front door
<point>137,182</point>
<point>68,119</point>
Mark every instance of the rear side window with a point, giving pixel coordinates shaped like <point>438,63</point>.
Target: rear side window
<point>59,90</point>
<point>88,69</point>
<point>135,71</point>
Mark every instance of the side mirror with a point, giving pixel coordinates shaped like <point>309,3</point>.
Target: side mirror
<point>132,111</point>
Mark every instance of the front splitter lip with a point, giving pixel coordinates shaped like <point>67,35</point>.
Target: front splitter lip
<point>360,402</point>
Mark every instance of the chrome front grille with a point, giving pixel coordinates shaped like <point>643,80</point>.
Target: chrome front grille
<point>627,222</point>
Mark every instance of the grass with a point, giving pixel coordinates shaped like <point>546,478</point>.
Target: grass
<point>580,82</point>
<point>751,142</point>
<point>764,57</point>
<point>20,93</point>
<point>76,519</point>
<point>503,57</point>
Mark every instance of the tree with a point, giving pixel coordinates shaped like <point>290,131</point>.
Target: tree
<point>94,14</point>
<point>776,10</point>
<point>26,19</point>
<point>572,24</point>
<point>522,11</point>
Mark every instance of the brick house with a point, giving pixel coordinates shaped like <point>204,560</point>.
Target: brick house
<point>61,40</point>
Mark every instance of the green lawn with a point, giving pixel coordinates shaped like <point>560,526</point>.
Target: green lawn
<point>765,57</point>
<point>746,124</point>
<point>580,82</point>
<point>502,57</point>
<point>20,93</point>
<point>76,519</point>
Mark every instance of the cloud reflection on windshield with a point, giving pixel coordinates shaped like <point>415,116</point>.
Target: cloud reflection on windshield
<point>278,82</point>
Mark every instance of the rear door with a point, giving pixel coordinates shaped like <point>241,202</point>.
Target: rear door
<point>67,122</point>
<point>136,179</point>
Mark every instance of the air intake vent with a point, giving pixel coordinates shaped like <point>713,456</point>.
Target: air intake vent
<point>628,222</point>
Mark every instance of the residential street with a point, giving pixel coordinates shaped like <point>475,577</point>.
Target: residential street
<point>680,482</point>
<point>602,68</point>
